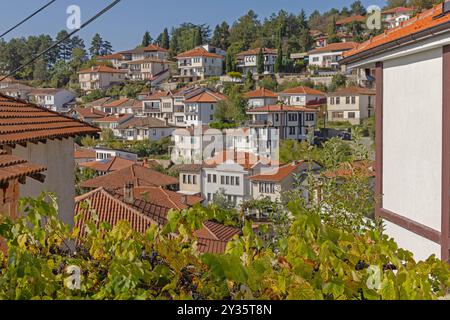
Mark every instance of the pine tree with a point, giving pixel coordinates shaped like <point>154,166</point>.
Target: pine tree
<point>332,31</point>
<point>96,45</point>
<point>260,62</point>
<point>147,39</point>
<point>229,65</point>
<point>173,49</point>
<point>65,48</point>
<point>198,41</point>
<point>165,41</point>
<point>217,36</point>
<point>106,48</point>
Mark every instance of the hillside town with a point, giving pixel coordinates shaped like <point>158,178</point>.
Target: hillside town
<point>258,120</point>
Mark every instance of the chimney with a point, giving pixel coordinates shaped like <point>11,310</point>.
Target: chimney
<point>184,199</point>
<point>128,193</point>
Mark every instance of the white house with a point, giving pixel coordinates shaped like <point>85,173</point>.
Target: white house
<point>261,97</point>
<point>199,63</point>
<point>328,57</point>
<point>102,153</point>
<point>412,65</point>
<point>200,108</point>
<point>100,77</point>
<point>302,96</point>
<point>143,128</point>
<point>352,104</point>
<point>53,99</point>
<point>111,122</point>
<point>149,69</point>
<point>395,16</point>
<point>248,60</point>
<point>46,139</point>
<point>291,122</point>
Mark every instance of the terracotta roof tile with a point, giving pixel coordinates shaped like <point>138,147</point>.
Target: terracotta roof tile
<point>21,121</point>
<point>303,90</point>
<point>90,112</point>
<point>260,93</point>
<point>83,153</point>
<point>207,97</point>
<point>426,20</point>
<point>198,52</point>
<point>278,174</point>
<point>108,165</point>
<point>398,10</point>
<point>102,69</point>
<point>352,91</point>
<point>144,122</point>
<point>335,47</point>
<point>138,175</point>
<point>13,167</point>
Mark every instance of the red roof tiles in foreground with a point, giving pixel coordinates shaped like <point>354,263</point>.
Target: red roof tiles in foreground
<point>110,207</point>
<point>138,175</point>
<point>22,122</point>
<point>426,20</point>
<point>12,168</point>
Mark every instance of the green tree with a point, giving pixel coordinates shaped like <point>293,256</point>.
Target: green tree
<point>260,62</point>
<point>96,45</point>
<point>332,31</point>
<point>147,39</point>
<point>165,41</point>
<point>357,8</point>
<point>278,67</point>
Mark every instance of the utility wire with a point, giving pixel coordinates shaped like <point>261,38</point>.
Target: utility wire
<point>27,18</point>
<point>106,9</point>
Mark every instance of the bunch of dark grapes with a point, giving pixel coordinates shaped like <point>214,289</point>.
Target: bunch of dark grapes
<point>389,267</point>
<point>60,269</point>
<point>186,283</point>
<point>152,258</point>
<point>361,265</point>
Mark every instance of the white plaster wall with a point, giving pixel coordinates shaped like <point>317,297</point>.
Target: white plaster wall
<point>421,248</point>
<point>58,157</point>
<point>412,139</point>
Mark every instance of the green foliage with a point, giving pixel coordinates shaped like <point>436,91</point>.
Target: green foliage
<point>339,80</point>
<point>269,83</point>
<point>260,62</point>
<point>231,110</point>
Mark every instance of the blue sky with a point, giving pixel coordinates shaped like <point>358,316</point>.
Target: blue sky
<point>124,25</point>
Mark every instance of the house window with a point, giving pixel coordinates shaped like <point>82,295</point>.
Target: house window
<point>222,180</point>
<point>347,100</point>
<point>353,100</point>
<point>331,100</point>
<point>227,181</point>
<point>310,117</point>
<point>292,130</point>
<point>338,115</point>
<point>232,181</point>
<point>351,115</point>
<point>184,179</point>
<point>293,117</point>
<point>214,178</point>
<point>209,178</point>
<point>194,179</point>
<point>338,100</point>
<point>209,197</point>
<point>237,181</point>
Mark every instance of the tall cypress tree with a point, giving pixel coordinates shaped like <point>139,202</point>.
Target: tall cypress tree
<point>278,67</point>
<point>260,62</point>
<point>147,39</point>
<point>165,41</point>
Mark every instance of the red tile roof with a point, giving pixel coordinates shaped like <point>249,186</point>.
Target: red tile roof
<point>206,97</point>
<point>256,51</point>
<point>424,21</point>
<point>280,108</point>
<point>138,175</point>
<point>84,153</point>
<point>335,47</point>
<point>149,60</point>
<point>116,103</point>
<point>113,118</point>
<point>303,90</point>
<point>355,18</point>
<point>108,165</point>
<point>115,56</point>
<point>108,208</point>
<point>13,167</point>
<point>102,69</point>
<point>157,95</point>
<point>355,91</point>
<point>154,48</point>
<point>21,122</point>
<point>90,112</point>
<point>245,159</point>
<point>198,52</point>
<point>278,174</point>
<point>260,93</point>
<point>144,122</point>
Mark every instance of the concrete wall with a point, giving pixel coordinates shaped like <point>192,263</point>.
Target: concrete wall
<point>57,156</point>
<point>412,141</point>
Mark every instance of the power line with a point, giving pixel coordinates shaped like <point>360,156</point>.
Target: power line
<point>98,15</point>
<point>26,19</point>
